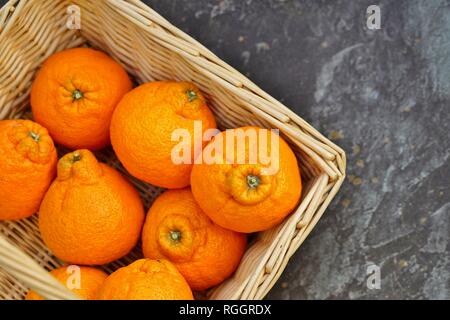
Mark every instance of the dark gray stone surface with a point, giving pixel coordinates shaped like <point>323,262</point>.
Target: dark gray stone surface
<point>384,96</point>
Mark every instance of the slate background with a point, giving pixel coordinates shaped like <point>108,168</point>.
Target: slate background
<point>384,96</point>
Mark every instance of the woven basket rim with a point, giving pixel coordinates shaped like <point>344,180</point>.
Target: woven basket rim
<point>328,156</point>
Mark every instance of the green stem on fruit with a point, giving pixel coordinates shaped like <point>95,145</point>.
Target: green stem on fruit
<point>175,235</point>
<point>253,181</point>
<point>77,95</point>
<point>191,95</point>
<point>76,156</point>
<point>35,136</point>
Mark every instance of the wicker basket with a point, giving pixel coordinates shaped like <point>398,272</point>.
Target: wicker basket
<point>150,48</point>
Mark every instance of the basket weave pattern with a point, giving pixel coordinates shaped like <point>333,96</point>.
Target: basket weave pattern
<point>150,48</point>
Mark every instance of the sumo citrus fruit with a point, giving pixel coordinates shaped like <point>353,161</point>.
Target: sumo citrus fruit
<point>252,188</point>
<point>146,279</point>
<point>27,167</point>
<point>143,128</point>
<point>90,214</point>
<point>74,95</point>
<point>176,229</point>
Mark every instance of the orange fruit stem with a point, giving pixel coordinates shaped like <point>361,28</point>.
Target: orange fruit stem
<point>77,94</point>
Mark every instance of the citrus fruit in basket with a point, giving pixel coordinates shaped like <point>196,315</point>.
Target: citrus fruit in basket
<point>143,125</point>
<point>254,183</point>
<point>176,229</point>
<point>90,214</point>
<point>83,281</point>
<point>27,167</point>
<point>146,279</point>
<point>74,95</point>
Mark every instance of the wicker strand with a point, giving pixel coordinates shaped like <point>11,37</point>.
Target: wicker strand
<point>150,48</point>
<point>31,274</point>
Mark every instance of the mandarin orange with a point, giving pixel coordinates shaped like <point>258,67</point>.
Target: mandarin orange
<point>146,279</point>
<point>27,167</point>
<point>176,229</point>
<point>74,95</point>
<point>90,214</point>
<point>251,186</point>
<point>143,125</point>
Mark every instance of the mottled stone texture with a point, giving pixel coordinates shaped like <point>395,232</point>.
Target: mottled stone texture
<point>383,96</point>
